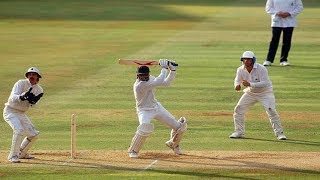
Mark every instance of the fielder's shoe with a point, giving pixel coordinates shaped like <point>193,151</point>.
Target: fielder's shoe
<point>26,156</point>
<point>14,159</point>
<point>133,154</point>
<point>176,150</point>
<point>267,63</point>
<point>281,137</point>
<point>236,135</point>
<point>284,63</point>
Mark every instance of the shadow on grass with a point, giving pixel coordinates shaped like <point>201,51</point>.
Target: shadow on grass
<point>260,165</point>
<point>89,11</point>
<point>107,9</point>
<point>297,67</point>
<point>114,10</point>
<point>289,141</point>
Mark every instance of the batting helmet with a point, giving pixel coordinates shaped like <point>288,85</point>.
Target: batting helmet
<point>34,70</point>
<point>143,70</point>
<point>248,54</point>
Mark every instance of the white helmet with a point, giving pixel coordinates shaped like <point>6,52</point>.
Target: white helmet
<point>35,70</point>
<point>248,54</point>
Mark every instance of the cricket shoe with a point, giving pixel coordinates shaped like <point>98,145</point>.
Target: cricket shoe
<point>177,150</point>
<point>281,137</point>
<point>267,63</point>
<point>14,159</point>
<point>133,155</point>
<point>237,135</point>
<point>26,156</point>
<point>284,63</point>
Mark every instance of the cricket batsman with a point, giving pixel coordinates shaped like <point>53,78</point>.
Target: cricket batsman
<point>258,88</point>
<point>25,94</point>
<point>149,108</point>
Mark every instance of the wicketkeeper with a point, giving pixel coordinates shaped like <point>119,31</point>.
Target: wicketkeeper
<point>25,94</point>
<point>258,88</point>
<point>149,108</point>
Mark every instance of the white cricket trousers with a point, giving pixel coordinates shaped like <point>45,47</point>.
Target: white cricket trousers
<point>19,122</point>
<point>159,113</point>
<point>248,100</point>
<point>21,126</point>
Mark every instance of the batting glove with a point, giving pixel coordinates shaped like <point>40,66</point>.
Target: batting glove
<point>164,63</point>
<point>172,66</point>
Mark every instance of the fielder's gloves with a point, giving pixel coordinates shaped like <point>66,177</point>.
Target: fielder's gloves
<point>164,63</point>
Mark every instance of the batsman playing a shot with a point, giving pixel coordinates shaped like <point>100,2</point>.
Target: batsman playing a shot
<point>25,94</point>
<point>258,88</point>
<point>149,108</point>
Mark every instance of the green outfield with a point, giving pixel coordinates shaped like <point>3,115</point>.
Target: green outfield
<point>76,44</point>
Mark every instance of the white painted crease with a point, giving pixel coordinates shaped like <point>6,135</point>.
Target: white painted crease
<point>150,165</point>
<point>68,161</point>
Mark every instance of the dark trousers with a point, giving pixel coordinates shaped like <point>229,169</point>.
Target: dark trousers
<point>286,43</point>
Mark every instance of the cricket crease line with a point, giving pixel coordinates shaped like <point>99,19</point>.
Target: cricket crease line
<point>68,161</point>
<point>150,165</point>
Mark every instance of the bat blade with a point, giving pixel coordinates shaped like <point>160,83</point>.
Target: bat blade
<point>138,62</point>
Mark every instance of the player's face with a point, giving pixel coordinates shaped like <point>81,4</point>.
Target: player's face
<point>248,62</point>
<point>143,77</point>
<point>33,78</point>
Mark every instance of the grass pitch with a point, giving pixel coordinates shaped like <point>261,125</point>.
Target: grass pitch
<point>76,45</point>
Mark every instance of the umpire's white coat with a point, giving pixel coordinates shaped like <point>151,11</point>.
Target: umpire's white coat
<point>294,7</point>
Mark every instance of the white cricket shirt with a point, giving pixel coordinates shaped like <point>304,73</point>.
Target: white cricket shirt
<point>144,91</point>
<point>20,87</point>
<point>258,79</point>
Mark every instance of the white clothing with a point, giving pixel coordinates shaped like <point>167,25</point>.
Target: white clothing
<point>14,115</point>
<point>158,113</point>
<point>19,122</point>
<point>144,91</point>
<point>258,79</point>
<point>294,7</point>
<point>148,108</point>
<point>147,105</point>
<point>20,87</point>
<point>260,91</point>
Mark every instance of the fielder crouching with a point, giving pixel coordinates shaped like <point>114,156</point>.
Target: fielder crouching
<point>25,93</point>
<point>149,108</point>
<point>258,88</point>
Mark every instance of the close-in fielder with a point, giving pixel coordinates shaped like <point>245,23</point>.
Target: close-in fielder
<point>25,93</point>
<point>255,78</point>
<point>149,108</point>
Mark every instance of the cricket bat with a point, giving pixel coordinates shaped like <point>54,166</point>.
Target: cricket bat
<point>139,62</point>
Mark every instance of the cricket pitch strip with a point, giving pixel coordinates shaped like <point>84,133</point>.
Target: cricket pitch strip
<point>191,160</point>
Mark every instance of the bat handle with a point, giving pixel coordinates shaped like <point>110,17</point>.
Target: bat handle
<point>173,63</point>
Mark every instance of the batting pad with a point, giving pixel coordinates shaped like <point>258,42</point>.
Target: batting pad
<point>143,131</point>
<point>176,136</point>
<point>26,145</point>
<point>15,146</point>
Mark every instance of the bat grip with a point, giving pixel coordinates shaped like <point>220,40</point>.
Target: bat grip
<point>173,63</point>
